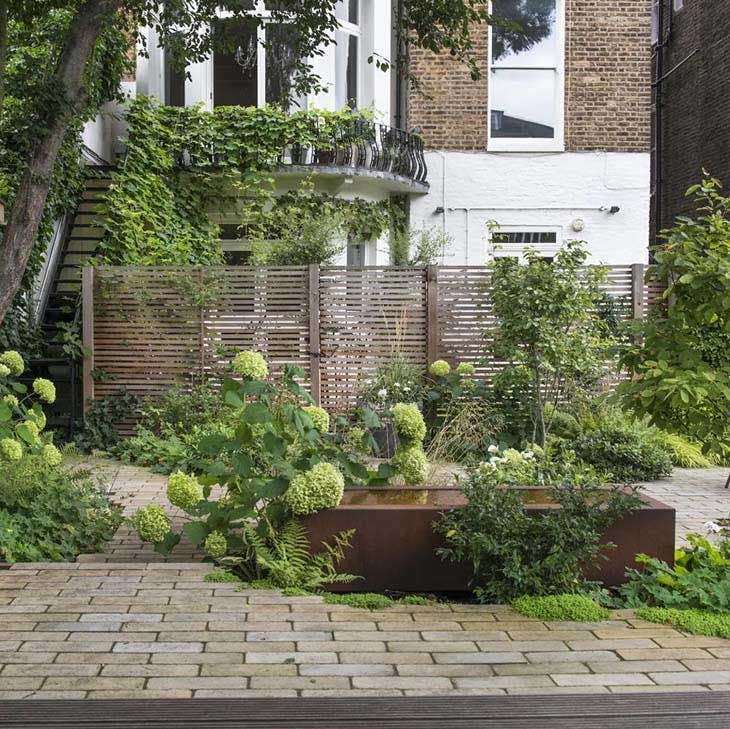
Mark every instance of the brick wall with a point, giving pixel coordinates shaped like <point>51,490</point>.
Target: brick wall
<point>607,83</point>
<point>696,102</point>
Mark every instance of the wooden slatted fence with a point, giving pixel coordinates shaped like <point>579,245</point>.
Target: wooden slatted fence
<point>148,328</point>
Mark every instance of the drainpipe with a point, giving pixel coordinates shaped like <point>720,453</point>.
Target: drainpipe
<point>658,121</point>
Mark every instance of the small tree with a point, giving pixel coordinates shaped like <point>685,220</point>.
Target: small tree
<point>547,328</point>
<point>680,362</point>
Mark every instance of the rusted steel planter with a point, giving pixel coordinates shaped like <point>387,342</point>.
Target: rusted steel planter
<point>394,547</point>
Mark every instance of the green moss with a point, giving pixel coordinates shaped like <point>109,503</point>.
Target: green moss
<point>699,622</point>
<point>365,600</point>
<point>576,608</point>
<point>417,600</point>
<point>221,576</point>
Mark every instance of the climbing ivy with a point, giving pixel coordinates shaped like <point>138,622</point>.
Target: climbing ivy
<point>182,161</point>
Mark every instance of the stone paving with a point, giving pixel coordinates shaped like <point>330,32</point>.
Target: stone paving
<point>128,624</point>
<point>137,630</point>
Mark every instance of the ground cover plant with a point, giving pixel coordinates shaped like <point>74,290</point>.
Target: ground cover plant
<point>578,608</point>
<point>697,622</point>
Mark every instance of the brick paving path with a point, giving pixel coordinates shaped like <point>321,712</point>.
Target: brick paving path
<point>127,624</point>
<point>89,630</point>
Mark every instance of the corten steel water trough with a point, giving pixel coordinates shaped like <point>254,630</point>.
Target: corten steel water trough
<point>394,546</point>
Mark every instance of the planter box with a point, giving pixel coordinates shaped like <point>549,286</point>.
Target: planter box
<point>394,547</point>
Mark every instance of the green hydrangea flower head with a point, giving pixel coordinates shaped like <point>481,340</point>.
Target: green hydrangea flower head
<point>183,490</point>
<point>354,441</point>
<point>216,545</point>
<point>320,417</point>
<point>51,455</point>
<point>38,417</point>
<point>13,361</point>
<point>537,451</point>
<point>152,523</point>
<point>251,364</point>
<point>513,456</point>
<point>11,400</point>
<point>321,487</point>
<point>10,450</point>
<point>45,389</point>
<point>32,428</point>
<point>439,368</point>
<point>409,422</point>
<point>412,464</point>
<point>466,368</point>
<point>4,370</point>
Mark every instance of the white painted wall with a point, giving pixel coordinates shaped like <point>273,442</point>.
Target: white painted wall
<point>535,192</point>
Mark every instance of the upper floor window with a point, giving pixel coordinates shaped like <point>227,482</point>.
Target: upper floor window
<point>253,66</point>
<point>526,75</point>
<point>347,53</point>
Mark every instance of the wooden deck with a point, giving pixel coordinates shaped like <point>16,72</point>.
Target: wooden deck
<point>635,711</point>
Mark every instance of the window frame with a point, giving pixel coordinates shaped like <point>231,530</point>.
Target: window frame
<point>517,250</point>
<point>352,29</point>
<point>522,144</point>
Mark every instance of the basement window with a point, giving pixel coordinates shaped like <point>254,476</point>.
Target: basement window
<point>526,76</point>
<point>513,241</point>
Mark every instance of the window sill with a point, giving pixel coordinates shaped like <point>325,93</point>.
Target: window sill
<point>525,145</point>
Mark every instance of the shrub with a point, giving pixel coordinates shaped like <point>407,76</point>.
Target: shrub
<point>513,553</point>
<point>51,513</point>
<point>699,579</point>
<point>575,608</point>
<point>97,432</point>
<point>625,451</point>
<point>697,622</point>
<point>683,452</point>
<point>394,381</point>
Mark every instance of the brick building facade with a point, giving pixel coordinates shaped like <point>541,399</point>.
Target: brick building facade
<point>607,83</point>
<point>501,151</point>
<point>695,99</point>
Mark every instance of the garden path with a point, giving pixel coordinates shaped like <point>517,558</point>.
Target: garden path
<point>125,624</point>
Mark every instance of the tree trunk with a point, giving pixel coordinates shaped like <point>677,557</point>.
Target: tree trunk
<point>3,48</point>
<point>30,199</point>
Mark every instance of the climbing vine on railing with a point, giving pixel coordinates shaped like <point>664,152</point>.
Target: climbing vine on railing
<point>182,163</point>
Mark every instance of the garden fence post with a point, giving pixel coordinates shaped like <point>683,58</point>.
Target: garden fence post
<point>87,311</point>
<point>315,374</point>
<point>637,290</point>
<point>432,287</point>
<point>201,332</point>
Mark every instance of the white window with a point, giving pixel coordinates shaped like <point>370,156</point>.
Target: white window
<point>347,54</point>
<point>678,4</point>
<point>655,20</point>
<point>512,241</point>
<point>253,66</point>
<point>526,76</point>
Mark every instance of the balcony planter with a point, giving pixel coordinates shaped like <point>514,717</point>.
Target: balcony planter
<point>394,546</point>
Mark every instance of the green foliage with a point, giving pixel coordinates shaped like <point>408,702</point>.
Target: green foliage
<point>683,452</point>
<point>547,328</point>
<point>320,487</point>
<point>514,553</point>
<point>418,247</point>
<point>409,423</point>
<point>574,608</point>
<point>32,100</point>
<point>97,431</point>
<point>363,600</point>
<point>221,576</point>
<point>625,451</point>
<point>699,579</point>
<point>395,380</point>
<point>697,622</point>
<point>680,362</point>
<point>51,513</point>
<point>411,463</point>
<point>287,561</point>
<point>182,160</point>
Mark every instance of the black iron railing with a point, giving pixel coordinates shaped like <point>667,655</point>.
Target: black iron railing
<point>356,143</point>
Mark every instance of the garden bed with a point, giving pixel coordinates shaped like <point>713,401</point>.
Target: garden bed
<point>394,547</point>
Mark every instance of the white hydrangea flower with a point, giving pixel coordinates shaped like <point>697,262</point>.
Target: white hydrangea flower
<point>382,392</point>
<point>528,455</point>
<point>493,449</point>
<point>713,527</point>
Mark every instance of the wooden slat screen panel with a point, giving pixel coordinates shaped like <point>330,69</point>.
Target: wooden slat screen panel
<point>366,314</point>
<point>153,327</point>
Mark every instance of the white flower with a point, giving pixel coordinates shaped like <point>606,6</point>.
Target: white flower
<point>382,393</point>
<point>493,449</point>
<point>503,460</point>
<point>528,455</point>
<point>493,461</point>
<point>712,527</point>
<point>406,388</point>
